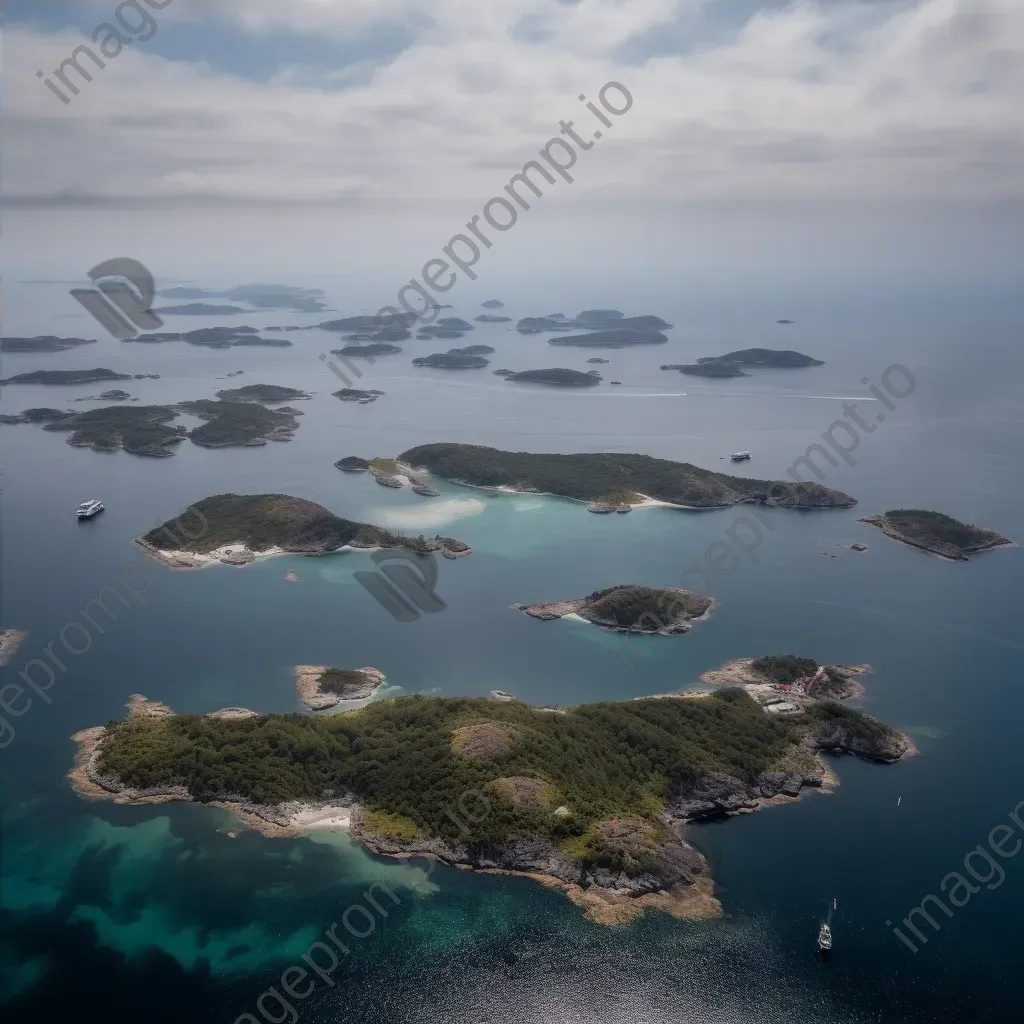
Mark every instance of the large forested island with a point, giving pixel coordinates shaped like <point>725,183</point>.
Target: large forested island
<point>613,478</point>
<point>630,609</point>
<point>238,527</point>
<point>936,533</point>
<point>591,799</point>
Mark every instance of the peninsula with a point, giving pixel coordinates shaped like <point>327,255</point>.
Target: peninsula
<point>937,534</point>
<point>613,477</point>
<point>629,609</point>
<point>242,526</point>
<point>562,798</point>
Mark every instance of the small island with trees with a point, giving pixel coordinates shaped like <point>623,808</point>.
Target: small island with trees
<point>321,687</point>
<point>730,364</point>
<point>557,376</point>
<point>936,533</point>
<point>239,527</point>
<point>630,609</point>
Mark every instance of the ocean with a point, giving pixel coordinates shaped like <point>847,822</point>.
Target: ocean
<point>157,913</point>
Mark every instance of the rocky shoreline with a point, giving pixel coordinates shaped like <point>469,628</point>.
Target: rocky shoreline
<point>676,610</point>
<point>986,540</point>
<point>309,682</point>
<point>10,641</point>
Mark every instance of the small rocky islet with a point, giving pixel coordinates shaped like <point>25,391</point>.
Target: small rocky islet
<point>321,687</point>
<point>629,609</point>
<point>936,533</point>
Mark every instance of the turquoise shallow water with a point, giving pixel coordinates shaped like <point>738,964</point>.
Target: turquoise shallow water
<point>157,912</point>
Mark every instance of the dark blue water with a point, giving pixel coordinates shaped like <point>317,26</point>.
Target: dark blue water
<point>155,912</point>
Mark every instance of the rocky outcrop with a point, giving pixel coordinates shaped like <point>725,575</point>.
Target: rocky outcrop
<point>936,533</point>
<point>629,609</point>
<point>353,464</point>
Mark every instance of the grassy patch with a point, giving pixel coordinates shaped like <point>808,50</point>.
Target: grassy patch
<point>391,826</point>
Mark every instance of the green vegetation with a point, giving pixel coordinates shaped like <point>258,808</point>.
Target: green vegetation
<point>342,680</point>
<point>620,498</point>
<point>603,760</point>
<point>238,423</point>
<point>392,826</point>
<point>261,521</point>
<point>558,376</point>
<point>65,376</point>
<point>588,477</point>
<point>43,343</point>
<point>936,532</point>
<point>785,668</point>
<point>262,393</point>
<point>454,359</point>
<point>858,731</point>
<point>139,429</point>
<point>777,358</point>
<point>627,606</point>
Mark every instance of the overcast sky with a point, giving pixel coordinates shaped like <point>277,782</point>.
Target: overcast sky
<point>769,142</point>
<point>327,100</point>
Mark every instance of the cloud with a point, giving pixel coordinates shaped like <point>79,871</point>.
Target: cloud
<point>802,100</point>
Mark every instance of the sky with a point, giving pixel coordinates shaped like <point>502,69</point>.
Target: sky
<point>406,112</point>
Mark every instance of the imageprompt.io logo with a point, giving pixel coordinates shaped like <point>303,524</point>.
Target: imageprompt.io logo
<point>122,298</point>
<point>403,584</point>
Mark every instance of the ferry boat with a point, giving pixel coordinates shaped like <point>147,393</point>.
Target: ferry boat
<point>824,939</point>
<point>89,508</point>
<point>740,456</point>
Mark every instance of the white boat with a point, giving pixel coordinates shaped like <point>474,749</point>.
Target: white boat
<point>89,508</point>
<point>824,938</point>
<point>740,456</point>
